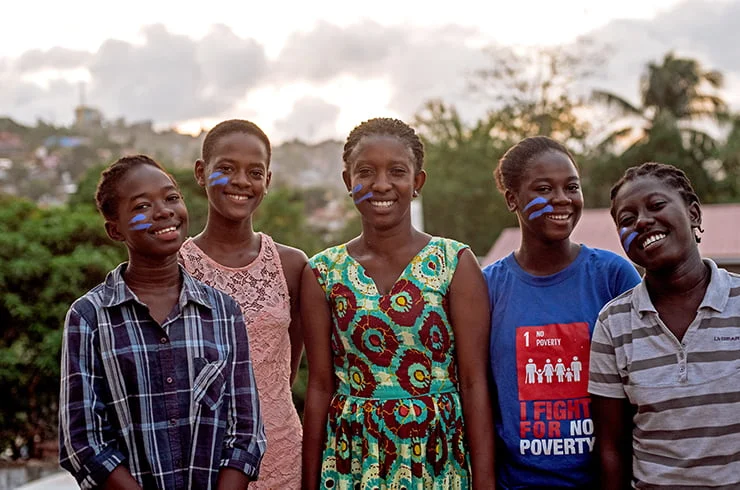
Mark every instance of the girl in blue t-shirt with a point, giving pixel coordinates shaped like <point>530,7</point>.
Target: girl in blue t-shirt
<point>545,298</point>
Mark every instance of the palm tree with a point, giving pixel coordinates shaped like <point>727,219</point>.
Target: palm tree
<point>672,93</point>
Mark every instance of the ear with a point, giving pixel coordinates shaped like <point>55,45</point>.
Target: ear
<point>114,234</point>
<point>419,180</point>
<point>268,179</point>
<point>347,180</point>
<point>695,215</point>
<point>511,203</point>
<point>200,172</point>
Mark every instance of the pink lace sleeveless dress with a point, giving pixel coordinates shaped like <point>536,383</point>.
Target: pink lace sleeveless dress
<point>261,291</point>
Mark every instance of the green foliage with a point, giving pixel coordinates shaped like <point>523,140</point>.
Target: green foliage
<point>460,199</point>
<point>48,258</point>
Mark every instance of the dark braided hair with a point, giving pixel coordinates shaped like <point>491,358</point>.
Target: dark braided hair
<point>672,176</point>
<point>106,194</point>
<point>511,166</point>
<point>226,128</point>
<point>386,126</point>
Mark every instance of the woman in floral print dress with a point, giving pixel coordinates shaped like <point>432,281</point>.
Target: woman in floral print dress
<point>397,339</point>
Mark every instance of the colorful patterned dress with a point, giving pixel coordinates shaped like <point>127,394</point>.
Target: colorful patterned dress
<point>262,293</point>
<point>395,421</point>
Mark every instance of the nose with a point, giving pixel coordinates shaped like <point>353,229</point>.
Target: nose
<point>163,210</point>
<point>643,221</point>
<point>560,196</point>
<point>381,183</point>
<point>239,178</point>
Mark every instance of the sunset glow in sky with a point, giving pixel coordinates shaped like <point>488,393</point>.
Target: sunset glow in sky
<point>313,69</point>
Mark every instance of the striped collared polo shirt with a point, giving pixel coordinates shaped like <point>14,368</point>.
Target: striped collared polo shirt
<point>686,393</point>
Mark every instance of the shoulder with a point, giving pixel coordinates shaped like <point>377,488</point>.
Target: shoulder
<point>450,245</point>
<point>492,271</point>
<point>610,263</point>
<point>89,303</point>
<point>292,259</point>
<point>617,309</point>
<point>328,256</point>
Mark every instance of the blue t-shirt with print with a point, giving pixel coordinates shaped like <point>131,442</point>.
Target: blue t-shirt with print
<point>541,330</point>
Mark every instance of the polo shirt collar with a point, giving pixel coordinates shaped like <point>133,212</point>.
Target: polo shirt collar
<point>716,296</point>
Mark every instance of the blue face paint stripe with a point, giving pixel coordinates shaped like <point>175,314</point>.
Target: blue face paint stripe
<point>357,188</point>
<point>366,196</point>
<point>537,214</point>
<point>137,218</point>
<point>534,202</point>
<point>221,181</point>
<point>142,226</point>
<point>628,241</point>
<point>215,175</point>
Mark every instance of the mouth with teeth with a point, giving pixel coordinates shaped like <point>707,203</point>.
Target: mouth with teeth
<point>557,217</point>
<point>382,204</point>
<point>652,239</point>
<point>237,197</point>
<point>168,233</point>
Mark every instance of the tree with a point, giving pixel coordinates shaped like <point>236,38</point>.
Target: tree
<point>48,258</point>
<point>678,89</point>
<point>459,198</point>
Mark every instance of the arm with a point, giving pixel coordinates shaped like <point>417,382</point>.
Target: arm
<point>121,479</point>
<point>293,261</point>
<point>613,430</point>
<point>317,323</point>
<point>470,317</point>
<point>244,441</point>
<point>88,448</point>
<point>232,479</point>
<point>611,410</point>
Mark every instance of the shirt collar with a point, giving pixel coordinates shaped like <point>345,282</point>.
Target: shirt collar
<point>715,297</point>
<point>116,291</point>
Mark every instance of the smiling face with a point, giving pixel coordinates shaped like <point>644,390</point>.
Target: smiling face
<point>236,177</point>
<point>549,201</point>
<point>655,223</point>
<point>151,217</point>
<point>382,176</point>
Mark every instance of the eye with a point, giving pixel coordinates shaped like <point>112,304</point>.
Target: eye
<point>574,187</point>
<point>657,205</point>
<point>174,197</point>
<point>399,171</point>
<point>141,205</point>
<point>363,172</point>
<point>626,221</point>
<point>257,174</point>
<point>543,188</point>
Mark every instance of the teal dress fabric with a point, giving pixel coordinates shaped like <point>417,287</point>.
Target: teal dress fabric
<point>395,421</point>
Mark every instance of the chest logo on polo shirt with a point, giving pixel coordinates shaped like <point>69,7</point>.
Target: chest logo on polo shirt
<point>552,375</point>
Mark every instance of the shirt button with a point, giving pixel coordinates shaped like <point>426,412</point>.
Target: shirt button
<point>173,422</point>
<point>169,380</point>
<point>163,340</point>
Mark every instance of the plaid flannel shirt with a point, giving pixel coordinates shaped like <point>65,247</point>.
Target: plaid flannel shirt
<point>173,403</point>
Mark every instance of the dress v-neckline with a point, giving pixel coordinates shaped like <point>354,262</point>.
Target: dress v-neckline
<point>361,268</point>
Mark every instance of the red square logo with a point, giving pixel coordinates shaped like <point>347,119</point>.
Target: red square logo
<point>552,361</point>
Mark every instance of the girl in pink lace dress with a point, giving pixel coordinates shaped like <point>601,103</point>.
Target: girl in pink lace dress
<point>263,277</point>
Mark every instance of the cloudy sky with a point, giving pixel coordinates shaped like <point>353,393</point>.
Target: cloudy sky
<point>313,70</point>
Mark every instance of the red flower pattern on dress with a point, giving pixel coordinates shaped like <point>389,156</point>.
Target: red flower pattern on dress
<point>375,339</point>
<point>344,305</point>
<point>410,417</point>
<point>435,337</point>
<point>404,304</point>
<point>415,372</point>
<point>361,379</point>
